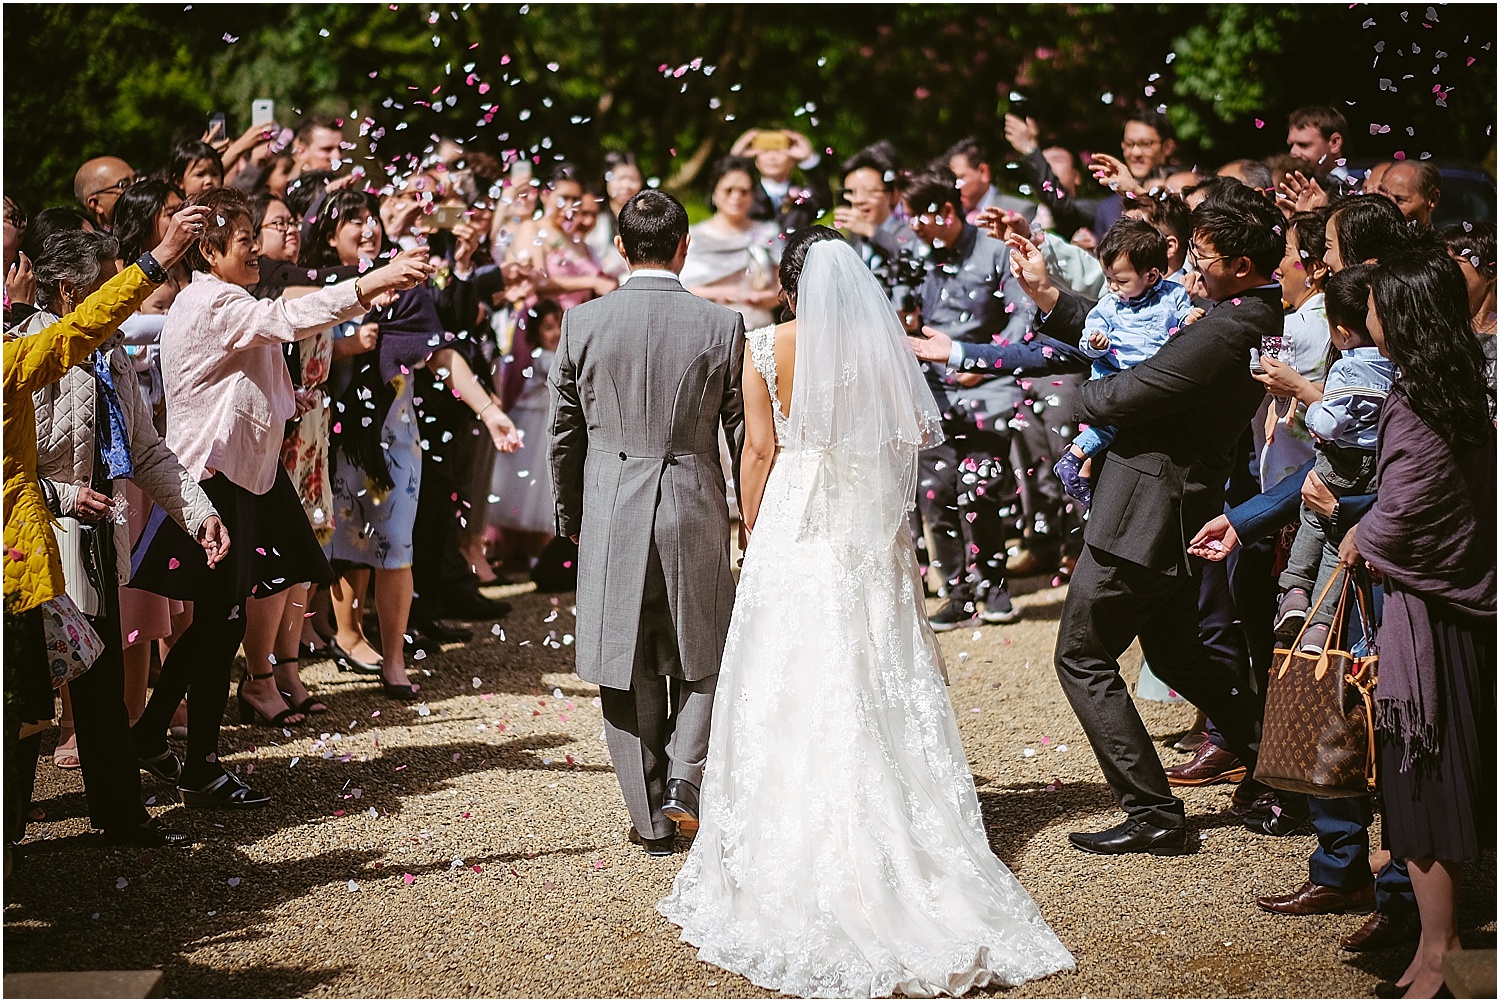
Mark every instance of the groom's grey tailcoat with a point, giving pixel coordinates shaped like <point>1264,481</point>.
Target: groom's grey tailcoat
<point>641,382</point>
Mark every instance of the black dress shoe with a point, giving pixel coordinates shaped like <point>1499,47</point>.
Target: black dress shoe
<point>348,662</point>
<point>440,632</point>
<point>1279,823</point>
<point>681,804</point>
<point>475,606</point>
<point>654,846</point>
<point>1132,836</point>
<point>153,834</point>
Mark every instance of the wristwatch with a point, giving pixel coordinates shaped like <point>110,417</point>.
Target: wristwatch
<point>1334,518</point>
<point>153,271</point>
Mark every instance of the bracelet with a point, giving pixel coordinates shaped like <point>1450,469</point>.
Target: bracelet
<point>155,272</point>
<point>480,412</point>
<point>359,296</point>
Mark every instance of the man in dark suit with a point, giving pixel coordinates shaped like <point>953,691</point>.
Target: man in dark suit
<point>1180,415</point>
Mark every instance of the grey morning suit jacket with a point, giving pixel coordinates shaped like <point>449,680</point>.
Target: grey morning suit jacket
<point>641,382</point>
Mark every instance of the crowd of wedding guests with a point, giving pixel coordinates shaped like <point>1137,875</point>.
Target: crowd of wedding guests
<point>258,402</point>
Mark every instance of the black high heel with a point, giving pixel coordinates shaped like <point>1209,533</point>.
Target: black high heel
<point>311,700</point>
<point>224,792</point>
<point>166,767</point>
<point>348,662</point>
<point>249,713</point>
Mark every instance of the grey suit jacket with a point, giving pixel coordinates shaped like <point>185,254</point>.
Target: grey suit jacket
<point>641,382</point>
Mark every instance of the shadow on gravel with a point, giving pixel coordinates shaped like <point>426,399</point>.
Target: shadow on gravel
<point>1014,815</point>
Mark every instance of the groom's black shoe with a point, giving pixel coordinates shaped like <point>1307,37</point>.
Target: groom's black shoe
<point>654,846</point>
<point>1132,836</point>
<point>681,804</point>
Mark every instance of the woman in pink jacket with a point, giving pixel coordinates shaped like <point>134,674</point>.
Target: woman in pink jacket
<point>228,397</point>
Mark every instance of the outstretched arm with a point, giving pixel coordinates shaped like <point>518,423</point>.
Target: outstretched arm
<point>1038,356</point>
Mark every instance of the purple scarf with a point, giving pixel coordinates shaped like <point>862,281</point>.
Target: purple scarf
<point>1431,532</point>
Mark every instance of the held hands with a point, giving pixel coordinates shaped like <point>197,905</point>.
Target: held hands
<point>1099,341</point>
<point>1021,134</point>
<point>214,539</point>
<point>932,346</point>
<point>1214,541</point>
<point>183,230</point>
<point>502,429</point>
<point>1194,315</point>
<point>20,281</point>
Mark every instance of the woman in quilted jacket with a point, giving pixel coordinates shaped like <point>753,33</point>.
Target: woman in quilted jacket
<point>95,436</point>
<point>33,574</point>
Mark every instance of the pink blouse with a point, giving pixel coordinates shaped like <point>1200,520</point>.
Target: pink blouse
<point>228,390</point>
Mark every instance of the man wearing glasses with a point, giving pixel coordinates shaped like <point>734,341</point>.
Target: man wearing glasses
<point>99,184</point>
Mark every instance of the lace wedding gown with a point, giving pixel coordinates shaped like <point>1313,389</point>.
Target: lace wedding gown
<point>841,851</point>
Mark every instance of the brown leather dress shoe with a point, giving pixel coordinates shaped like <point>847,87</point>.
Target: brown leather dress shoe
<point>1315,899</point>
<point>1382,931</point>
<point>1210,764</point>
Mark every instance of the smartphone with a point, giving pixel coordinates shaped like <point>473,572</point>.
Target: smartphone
<point>216,129</point>
<point>771,141</point>
<point>1018,104</point>
<point>445,217</point>
<point>262,112</point>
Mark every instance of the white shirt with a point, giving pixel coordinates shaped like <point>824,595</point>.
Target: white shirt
<point>655,273</point>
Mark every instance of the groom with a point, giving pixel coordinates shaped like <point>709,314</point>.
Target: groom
<point>643,379</point>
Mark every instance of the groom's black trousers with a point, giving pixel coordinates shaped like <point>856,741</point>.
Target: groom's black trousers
<point>1111,602</point>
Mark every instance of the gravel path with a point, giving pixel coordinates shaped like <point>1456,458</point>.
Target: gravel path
<point>476,846</point>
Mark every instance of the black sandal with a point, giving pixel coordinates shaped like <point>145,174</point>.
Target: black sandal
<point>405,693</point>
<point>166,767</point>
<point>225,792</point>
<point>311,700</point>
<point>249,713</point>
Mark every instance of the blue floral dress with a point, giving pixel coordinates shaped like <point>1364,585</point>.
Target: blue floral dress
<point>371,527</point>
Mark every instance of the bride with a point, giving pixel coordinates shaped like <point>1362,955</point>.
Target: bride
<point>841,851</point>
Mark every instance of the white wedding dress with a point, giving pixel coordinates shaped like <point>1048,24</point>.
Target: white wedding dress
<point>841,851</point>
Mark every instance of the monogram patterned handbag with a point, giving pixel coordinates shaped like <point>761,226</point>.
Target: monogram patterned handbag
<point>1318,736</point>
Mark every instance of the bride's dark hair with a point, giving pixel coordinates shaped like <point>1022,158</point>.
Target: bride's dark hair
<point>795,254</point>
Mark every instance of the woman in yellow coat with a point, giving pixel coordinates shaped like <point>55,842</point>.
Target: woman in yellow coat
<point>33,572</point>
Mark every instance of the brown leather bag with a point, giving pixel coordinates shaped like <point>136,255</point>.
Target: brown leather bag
<point>1318,735</point>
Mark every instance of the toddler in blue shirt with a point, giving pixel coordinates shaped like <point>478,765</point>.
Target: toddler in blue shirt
<point>1344,426</point>
<point>1124,329</point>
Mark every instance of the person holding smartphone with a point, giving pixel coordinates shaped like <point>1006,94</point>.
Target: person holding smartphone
<point>776,153</point>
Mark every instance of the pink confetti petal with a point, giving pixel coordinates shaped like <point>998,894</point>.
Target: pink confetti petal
<point>173,564</point>
<point>408,879</point>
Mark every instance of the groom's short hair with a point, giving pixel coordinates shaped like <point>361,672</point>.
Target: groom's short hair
<point>652,224</point>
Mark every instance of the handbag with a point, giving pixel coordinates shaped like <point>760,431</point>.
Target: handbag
<point>1318,734</point>
<point>81,553</point>
<point>72,644</point>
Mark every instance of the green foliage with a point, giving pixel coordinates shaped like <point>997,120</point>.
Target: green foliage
<point>131,79</point>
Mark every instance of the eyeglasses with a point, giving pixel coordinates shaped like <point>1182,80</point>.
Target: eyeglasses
<point>279,225</point>
<point>120,186</point>
<point>1140,144</point>
<point>1198,261</point>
